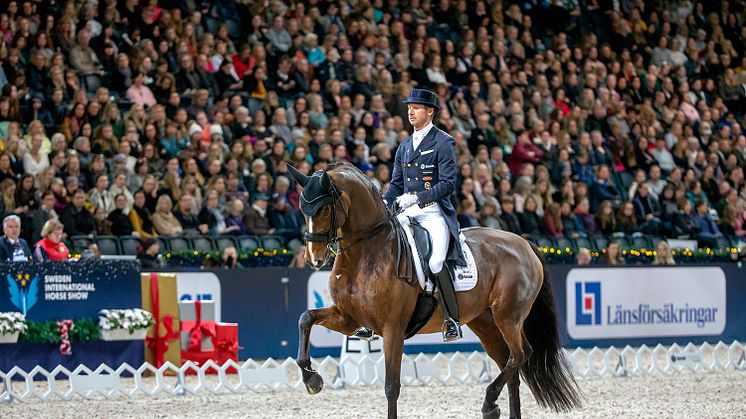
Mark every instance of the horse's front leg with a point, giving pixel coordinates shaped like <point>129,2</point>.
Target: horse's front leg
<point>393,346</point>
<point>329,317</point>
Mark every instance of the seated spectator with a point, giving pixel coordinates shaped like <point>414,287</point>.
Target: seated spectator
<point>12,247</point>
<point>734,219</point>
<point>103,225</point>
<point>626,221</point>
<point>164,221</point>
<point>120,188</point>
<point>121,225</point>
<point>602,190</point>
<point>51,247</point>
<point>234,221</point>
<point>553,220</point>
<point>186,215</point>
<point>99,195</point>
<point>583,257</point>
<point>255,220</point>
<point>139,93</point>
<point>663,255</point>
<point>467,214</point>
<point>40,216</point>
<point>612,255</point>
<point>708,230</point>
<point>286,220</point>
<point>605,219</point>
<point>585,221</point>
<point>684,224</point>
<point>508,218</point>
<point>570,224</point>
<point>488,215</point>
<point>140,217</point>
<point>210,217</point>
<point>147,253</point>
<point>647,211</point>
<point>78,221</point>
<point>531,224</point>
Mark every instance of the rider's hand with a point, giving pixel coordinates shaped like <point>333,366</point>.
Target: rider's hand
<point>406,201</point>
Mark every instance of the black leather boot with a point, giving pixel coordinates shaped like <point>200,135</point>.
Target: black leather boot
<point>451,325</point>
<point>363,333</point>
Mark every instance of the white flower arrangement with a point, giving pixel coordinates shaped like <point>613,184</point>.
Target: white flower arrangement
<point>12,322</point>
<point>127,319</point>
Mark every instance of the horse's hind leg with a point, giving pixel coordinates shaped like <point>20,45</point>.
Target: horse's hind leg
<point>329,317</point>
<point>485,328</point>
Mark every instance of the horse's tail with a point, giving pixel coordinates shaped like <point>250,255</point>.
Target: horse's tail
<point>547,372</point>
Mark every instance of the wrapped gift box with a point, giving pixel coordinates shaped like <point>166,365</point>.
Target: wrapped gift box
<point>226,348</point>
<point>197,325</point>
<point>159,297</point>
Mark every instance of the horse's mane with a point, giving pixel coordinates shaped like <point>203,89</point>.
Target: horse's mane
<point>350,169</point>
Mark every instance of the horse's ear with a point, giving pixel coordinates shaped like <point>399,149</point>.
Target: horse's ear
<point>297,176</point>
<point>326,182</point>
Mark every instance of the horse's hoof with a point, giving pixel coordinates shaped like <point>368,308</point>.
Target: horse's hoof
<point>492,414</point>
<point>314,383</point>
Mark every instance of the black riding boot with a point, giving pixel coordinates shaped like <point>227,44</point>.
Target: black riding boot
<point>451,325</point>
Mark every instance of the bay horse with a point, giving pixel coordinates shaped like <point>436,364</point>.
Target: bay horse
<point>511,309</point>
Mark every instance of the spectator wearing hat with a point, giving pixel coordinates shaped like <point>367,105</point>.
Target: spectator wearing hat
<point>255,219</point>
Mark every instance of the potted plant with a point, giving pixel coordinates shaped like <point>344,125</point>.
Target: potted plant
<point>127,324</point>
<point>11,325</point>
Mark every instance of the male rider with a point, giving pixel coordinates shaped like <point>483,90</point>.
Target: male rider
<point>423,180</point>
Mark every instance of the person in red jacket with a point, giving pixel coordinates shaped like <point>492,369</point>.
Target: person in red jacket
<point>51,247</point>
<point>523,152</point>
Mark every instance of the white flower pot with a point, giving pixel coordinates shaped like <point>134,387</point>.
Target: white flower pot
<point>10,338</point>
<point>123,334</point>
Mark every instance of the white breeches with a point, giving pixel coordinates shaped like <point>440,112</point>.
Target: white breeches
<point>431,218</point>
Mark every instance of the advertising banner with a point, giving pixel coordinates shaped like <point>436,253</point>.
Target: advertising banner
<point>646,302</point>
<point>55,290</point>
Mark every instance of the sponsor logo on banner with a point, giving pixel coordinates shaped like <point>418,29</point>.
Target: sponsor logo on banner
<point>645,302</point>
<point>26,290</point>
<point>199,286</point>
<point>318,296</point>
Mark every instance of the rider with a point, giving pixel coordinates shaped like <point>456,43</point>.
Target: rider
<point>422,183</point>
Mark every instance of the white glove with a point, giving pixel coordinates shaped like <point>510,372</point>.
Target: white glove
<point>406,201</point>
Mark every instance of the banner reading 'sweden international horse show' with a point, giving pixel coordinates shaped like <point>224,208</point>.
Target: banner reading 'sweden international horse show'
<point>51,291</point>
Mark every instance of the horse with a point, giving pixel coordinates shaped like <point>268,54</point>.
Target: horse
<point>511,309</point>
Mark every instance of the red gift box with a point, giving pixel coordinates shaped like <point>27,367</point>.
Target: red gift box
<point>226,347</point>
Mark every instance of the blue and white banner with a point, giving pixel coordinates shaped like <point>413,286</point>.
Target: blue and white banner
<point>68,290</point>
<point>645,302</point>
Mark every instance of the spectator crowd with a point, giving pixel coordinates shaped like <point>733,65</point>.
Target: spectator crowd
<point>179,117</point>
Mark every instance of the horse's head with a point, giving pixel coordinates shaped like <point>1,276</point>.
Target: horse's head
<point>326,211</point>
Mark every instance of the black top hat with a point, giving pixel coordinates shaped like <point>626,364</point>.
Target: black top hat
<point>423,97</point>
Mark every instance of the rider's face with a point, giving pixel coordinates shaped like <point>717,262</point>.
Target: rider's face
<point>419,115</point>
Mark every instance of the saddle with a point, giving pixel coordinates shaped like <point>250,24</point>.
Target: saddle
<point>405,270</point>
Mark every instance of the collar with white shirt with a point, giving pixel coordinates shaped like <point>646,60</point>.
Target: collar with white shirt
<point>419,135</point>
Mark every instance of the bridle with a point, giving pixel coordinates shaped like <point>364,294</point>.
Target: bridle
<point>331,239</point>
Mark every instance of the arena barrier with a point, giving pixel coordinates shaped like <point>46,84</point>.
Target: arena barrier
<point>367,370</point>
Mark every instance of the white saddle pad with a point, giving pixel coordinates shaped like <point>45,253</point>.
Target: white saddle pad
<point>465,277</point>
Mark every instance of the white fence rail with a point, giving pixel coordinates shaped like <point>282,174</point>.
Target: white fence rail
<point>366,370</point>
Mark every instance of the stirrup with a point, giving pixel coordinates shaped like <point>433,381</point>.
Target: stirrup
<point>363,333</point>
<point>451,330</point>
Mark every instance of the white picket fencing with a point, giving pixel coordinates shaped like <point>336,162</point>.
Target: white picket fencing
<point>365,370</point>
